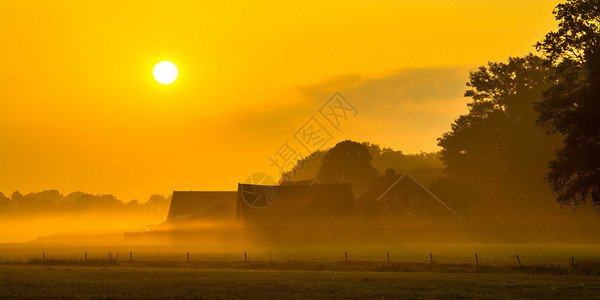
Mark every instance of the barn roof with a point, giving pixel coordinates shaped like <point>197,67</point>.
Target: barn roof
<point>296,205</point>
<point>202,205</point>
<point>379,188</point>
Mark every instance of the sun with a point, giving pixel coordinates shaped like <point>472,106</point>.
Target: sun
<point>165,72</point>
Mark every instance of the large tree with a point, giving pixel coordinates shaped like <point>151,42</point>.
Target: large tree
<point>572,105</point>
<point>495,154</point>
<point>346,160</point>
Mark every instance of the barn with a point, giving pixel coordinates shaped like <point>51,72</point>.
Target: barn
<point>196,216</point>
<point>395,199</point>
<point>296,211</point>
<point>202,206</point>
<point>305,211</point>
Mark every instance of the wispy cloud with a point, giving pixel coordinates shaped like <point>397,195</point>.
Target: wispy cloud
<point>413,105</point>
<point>401,89</point>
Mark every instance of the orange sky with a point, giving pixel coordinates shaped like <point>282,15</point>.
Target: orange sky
<point>79,109</point>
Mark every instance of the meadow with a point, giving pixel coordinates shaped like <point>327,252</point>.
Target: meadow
<point>135,282</point>
<point>545,271</point>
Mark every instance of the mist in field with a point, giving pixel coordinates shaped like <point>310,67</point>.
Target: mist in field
<point>351,195</point>
<point>35,216</point>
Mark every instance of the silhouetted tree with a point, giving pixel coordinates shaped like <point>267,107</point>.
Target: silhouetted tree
<point>17,200</point>
<point>133,206</point>
<point>157,204</point>
<point>5,203</point>
<point>305,168</point>
<point>44,201</point>
<point>386,158</point>
<point>16,196</point>
<point>495,150</point>
<point>426,167</point>
<point>89,202</point>
<point>572,105</point>
<point>346,160</point>
<point>53,202</point>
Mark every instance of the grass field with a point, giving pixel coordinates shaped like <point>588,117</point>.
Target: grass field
<point>163,272</point>
<point>37,282</point>
<point>489,254</point>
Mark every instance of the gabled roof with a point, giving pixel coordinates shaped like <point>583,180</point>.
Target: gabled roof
<point>381,186</point>
<point>201,205</point>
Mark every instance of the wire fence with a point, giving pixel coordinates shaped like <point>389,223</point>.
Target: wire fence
<point>120,257</point>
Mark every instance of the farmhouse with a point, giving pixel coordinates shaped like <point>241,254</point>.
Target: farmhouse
<point>296,211</point>
<point>398,198</point>
<point>308,210</point>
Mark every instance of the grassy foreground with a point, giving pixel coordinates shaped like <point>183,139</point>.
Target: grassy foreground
<point>43,281</point>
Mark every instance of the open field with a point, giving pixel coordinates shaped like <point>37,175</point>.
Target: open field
<point>301,272</point>
<point>463,253</point>
<point>35,282</point>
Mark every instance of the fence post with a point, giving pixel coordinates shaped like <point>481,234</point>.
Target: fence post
<point>572,261</point>
<point>43,256</point>
<point>477,260</point>
<point>85,256</point>
<point>130,256</point>
<point>430,257</point>
<point>188,257</point>
<point>519,260</point>
<point>245,256</point>
<point>388,256</point>
<point>346,256</point>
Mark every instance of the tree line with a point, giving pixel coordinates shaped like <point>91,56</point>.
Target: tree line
<point>53,202</point>
<point>350,159</point>
<point>534,117</point>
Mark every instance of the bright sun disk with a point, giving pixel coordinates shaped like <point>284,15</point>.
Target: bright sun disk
<point>165,72</point>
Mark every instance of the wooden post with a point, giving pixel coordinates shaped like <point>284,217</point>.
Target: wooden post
<point>117,255</point>
<point>188,257</point>
<point>519,260</point>
<point>346,256</point>
<point>572,261</point>
<point>477,260</point>
<point>245,256</point>
<point>388,256</point>
<point>130,256</point>
<point>431,257</point>
<point>85,255</point>
<point>43,256</point>
<point>109,255</point>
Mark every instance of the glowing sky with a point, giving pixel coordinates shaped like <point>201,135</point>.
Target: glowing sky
<point>79,109</point>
